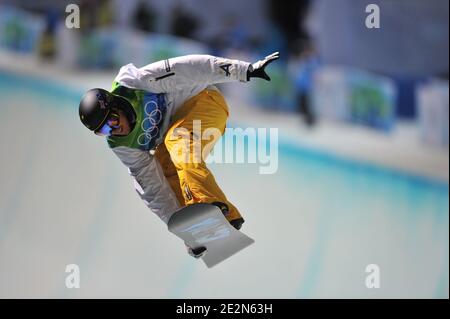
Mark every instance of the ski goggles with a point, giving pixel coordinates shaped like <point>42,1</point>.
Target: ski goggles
<point>112,122</point>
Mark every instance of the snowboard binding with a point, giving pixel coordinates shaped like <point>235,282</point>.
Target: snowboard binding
<point>196,252</point>
<point>236,223</point>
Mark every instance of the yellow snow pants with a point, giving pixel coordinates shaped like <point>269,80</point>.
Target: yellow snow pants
<point>183,166</point>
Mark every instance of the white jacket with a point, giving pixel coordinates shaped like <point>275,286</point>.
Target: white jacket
<point>179,79</point>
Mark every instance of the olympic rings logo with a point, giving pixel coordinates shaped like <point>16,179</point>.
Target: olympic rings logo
<point>150,125</point>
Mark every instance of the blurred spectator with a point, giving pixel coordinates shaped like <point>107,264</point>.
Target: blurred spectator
<point>232,36</point>
<point>96,13</point>
<point>288,16</point>
<point>88,19</point>
<point>303,82</point>
<point>47,45</point>
<point>144,17</point>
<point>105,13</point>
<point>183,23</point>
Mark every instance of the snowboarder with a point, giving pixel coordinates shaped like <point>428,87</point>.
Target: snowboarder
<point>142,116</point>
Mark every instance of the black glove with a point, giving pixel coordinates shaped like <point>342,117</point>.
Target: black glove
<point>256,70</point>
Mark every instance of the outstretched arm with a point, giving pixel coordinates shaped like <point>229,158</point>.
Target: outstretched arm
<point>149,181</point>
<point>190,71</point>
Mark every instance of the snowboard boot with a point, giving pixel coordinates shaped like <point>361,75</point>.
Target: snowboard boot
<point>237,222</point>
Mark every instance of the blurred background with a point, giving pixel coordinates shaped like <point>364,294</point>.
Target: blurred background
<point>363,158</point>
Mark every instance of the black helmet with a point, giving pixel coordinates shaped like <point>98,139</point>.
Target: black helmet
<point>95,107</point>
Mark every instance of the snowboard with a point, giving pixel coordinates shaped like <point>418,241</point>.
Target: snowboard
<point>204,225</point>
